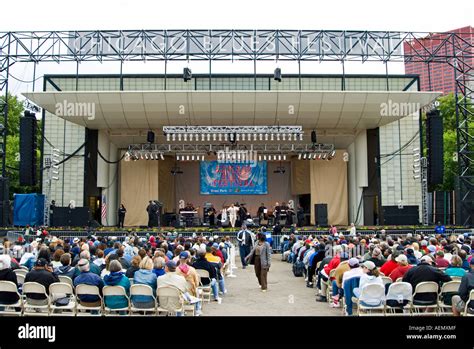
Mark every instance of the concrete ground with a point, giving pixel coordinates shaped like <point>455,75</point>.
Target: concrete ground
<point>287,295</point>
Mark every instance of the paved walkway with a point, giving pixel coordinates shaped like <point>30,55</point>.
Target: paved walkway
<point>286,295</point>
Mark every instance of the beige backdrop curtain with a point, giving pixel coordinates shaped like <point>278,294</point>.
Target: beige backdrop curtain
<point>300,174</point>
<point>329,185</point>
<point>167,184</point>
<point>138,184</point>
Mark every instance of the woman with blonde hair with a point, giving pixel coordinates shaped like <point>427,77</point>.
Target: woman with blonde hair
<point>455,268</point>
<point>145,276</point>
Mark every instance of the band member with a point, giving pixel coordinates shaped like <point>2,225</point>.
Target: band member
<point>262,213</point>
<point>152,210</point>
<point>189,207</point>
<point>223,217</point>
<point>211,212</point>
<point>121,215</point>
<point>242,213</point>
<point>277,211</point>
<point>233,210</point>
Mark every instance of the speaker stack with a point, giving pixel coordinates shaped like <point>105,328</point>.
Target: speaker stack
<point>434,138</point>
<point>28,149</point>
<point>4,202</point>
<point>321,215</point>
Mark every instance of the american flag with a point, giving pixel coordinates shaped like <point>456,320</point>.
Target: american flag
<point>104,208</point>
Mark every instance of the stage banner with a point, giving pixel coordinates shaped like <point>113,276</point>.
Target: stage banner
<point>218,178</point>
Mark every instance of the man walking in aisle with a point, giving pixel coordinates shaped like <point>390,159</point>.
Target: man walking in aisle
<point>244,237</point>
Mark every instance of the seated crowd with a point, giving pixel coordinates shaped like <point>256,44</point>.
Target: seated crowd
<point>156,261</point>
<point>348,264</point>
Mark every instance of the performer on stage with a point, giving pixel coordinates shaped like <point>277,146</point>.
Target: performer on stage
<point>277,211</point>
<point>242,213</point>
<point>222,217</point>
<point>233,210</point>
<point>152,210</point>
<point>121,215</point>
<point>189,207</point>
<point>262,213</point>
<point>211,211</point>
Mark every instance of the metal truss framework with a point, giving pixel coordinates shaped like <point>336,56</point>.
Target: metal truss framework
<point>255,45</point>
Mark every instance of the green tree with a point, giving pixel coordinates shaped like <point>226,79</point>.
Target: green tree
<point>15,111</point>
<point>447,108</point>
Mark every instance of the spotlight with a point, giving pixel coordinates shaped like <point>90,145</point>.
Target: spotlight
<point>168,137</point>
<point>254,137</point>
<point>150,137</point>
<point>283,136</point>
<point>192,157</point>
<point>190,137</point>
<point>277,74</point>
<point>304,156</point>
<point>179,137</point>
<point>177,157</point>
<point>226,137</point>
<point>266,136</point>
<point>271,137</point>
<point>187,74</point>
<point>237,138</point>
<point>278,136</point>
<point>220,137</point>
<point>214,137</point>
<point>301,136</point>
<point>260,136</point>
<point>141,156</point>
<point>260,158</point>
<point>161,156</point>
<point>284,157</point>
<point>187,157</point>
<point>265,158</point>
<point>185,137</point>
<point>202,157</point>
<point>299,156</point>
<point>173,137</point>
<point>203,137</point>
<point>313,136</point>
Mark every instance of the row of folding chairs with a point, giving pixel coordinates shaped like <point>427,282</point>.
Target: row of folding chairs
<point>171,300</point>
<point>400,299</point>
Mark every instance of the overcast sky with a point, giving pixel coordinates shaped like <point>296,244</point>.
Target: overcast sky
<point>395,15</point>
<point>399,15</point>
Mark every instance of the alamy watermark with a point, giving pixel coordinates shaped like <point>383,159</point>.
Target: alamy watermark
<point>228,155</point>
<point>392,108</point>
<point>37,332</point>
<point>75,109</point>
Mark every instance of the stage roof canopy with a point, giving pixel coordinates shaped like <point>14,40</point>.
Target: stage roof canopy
<point>127,115</point>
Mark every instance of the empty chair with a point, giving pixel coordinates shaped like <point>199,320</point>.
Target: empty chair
<point>423,300</point>
<point>448,290</point>
<point>114,296</point>
<point>84,308</point>
<point>138,290</point>
<point>399,298</point>
<point>34,306</point>
<point>204,290</point>
<point>170,300</point>
<point>62,302</point>
<point>66,280</point>
<point>467,310</point>
<point>8,304</point>
<point>371,300</point>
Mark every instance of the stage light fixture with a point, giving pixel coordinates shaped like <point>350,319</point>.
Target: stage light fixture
<point>168,137</point>
<point>162,156</point>
<point>214,137</point>
<point>304,156</point>
<point>208,137</point>
<point>255,137</point>
<point>141,156</point>
<point>266,136</point>
<point>179,137</point>
<point>277,74</point>
<point>203,137</point>
<point>237,137</point>
<point>185,137</point>
<point>265,158</point>
<point>279,157</point>
<point>284,157</point>
<point>260,137</point>
<point>283,136</point>
<point>226,136</point>
<point>260,158</point>
<point>187,157</point>
<point>192,157</point>
<point>313,136</point>
<point>299,156</point>
<point>278,136</point>
<point>187,74</point>
<point>301,136</point>
<point>190,137</point>
<point>173,137</point>
<point>220,137</point>
<point>271,137</point>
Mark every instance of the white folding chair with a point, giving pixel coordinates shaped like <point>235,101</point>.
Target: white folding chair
<point>402,294</point>
<point>115,291</point>
<point>83,309</point>
<point>20,279</point>
<point>372,296</point>
<point>448,289</point>
<point>469,311</point>
<point>66,280</point>
<point>131,281</point>
<point>421,308</point>
<point>400,279</point>
<point>59,290</point>
<point>329,286</point>
<point>20,272</point>
<point>24,268</point>
<point>170,300</point>
<point>204,290</point>
<point>141,290</point>
<point>386,280</point>
<point>9,309</point>
<point>33,307</point>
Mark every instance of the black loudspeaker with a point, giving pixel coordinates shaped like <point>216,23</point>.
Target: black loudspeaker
<point>187,74</point>
<point>408,215</point>
<point>434,138</point>
<point>150,137</point>
<point>313,136</point>
<point>277,74</point>
<point>67,217</point>
<point>28,149</point>
<point>4,189</point>
<point>4,213</point>
<point>321,215</point>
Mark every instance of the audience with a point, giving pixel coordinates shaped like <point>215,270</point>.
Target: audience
<point>116,278</point>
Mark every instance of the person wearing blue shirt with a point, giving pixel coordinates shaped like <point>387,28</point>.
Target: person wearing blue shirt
<point>440,229</point>
<point>88,278</point>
